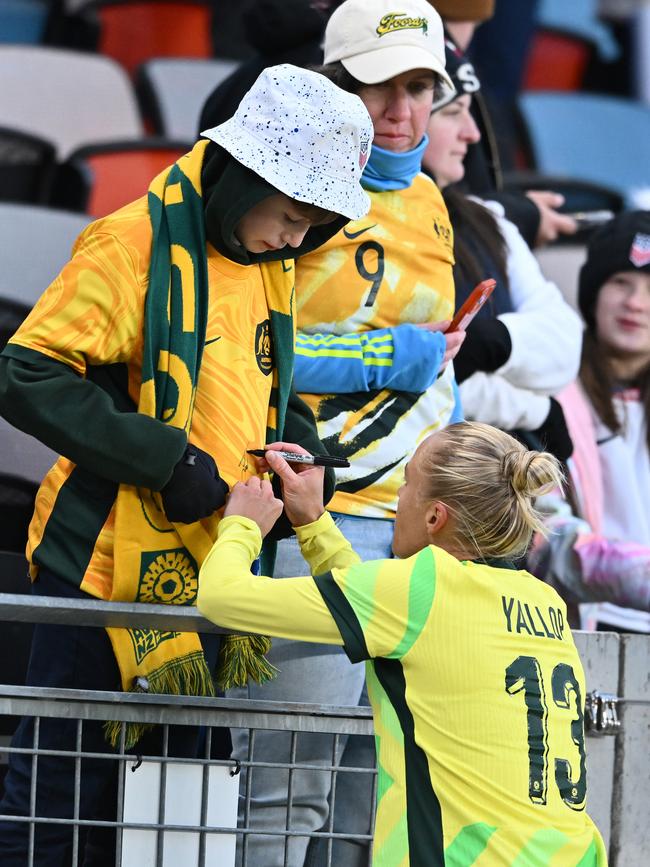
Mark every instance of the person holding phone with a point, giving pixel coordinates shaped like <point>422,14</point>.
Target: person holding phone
<point>524,344</point>
<point>475,682</point>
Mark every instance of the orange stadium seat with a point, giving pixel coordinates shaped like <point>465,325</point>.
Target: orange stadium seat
<point>556,61</point>
<point>100,179</point>
<point>133,31</point>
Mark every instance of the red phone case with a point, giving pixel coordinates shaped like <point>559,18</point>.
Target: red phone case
<point>472,305</point>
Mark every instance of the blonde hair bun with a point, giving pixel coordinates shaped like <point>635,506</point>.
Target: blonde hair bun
<point>530,473</point>
<point>489,482</point>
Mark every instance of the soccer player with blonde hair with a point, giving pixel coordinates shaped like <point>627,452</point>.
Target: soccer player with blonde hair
<point>475,682</point>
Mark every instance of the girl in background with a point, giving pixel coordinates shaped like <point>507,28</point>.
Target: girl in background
<point>600,550</point>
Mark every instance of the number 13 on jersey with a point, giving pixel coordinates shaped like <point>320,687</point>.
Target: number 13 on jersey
<point>524,675</point>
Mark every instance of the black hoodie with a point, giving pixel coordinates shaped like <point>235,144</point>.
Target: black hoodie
<point>282,31</point>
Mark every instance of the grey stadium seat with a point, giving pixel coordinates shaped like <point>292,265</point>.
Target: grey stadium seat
<point>173,91</point>
<point>68,97</point>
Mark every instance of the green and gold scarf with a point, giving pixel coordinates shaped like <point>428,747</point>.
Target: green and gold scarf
<point>147,567</point>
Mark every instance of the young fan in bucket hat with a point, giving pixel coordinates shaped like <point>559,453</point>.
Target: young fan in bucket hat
<point>158,356</point>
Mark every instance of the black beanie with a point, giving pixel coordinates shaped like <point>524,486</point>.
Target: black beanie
<point>462,73</point>
<point>623,244</point>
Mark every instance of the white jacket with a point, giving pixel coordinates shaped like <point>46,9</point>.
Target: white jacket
<point>546,335</point>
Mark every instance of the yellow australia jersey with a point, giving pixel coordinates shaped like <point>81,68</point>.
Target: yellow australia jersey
<point>358,298</point>
<point>476,687</point>
<point>92,315</point>
<point>478,694</point>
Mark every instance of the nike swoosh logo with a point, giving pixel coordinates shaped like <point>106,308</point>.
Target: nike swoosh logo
<point>214,340</point>
<point>352,235</point>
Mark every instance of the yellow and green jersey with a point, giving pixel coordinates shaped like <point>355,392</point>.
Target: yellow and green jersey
<point>363,365</point>
<point>476,687</point>
<point>91,320</point>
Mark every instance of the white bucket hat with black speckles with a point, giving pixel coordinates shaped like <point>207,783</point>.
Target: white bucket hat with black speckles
<point>305,136</point>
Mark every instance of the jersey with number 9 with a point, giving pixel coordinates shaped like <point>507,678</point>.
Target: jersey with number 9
<point>390,268</point>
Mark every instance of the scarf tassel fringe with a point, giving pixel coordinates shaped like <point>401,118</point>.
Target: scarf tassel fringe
<point>241,658</point>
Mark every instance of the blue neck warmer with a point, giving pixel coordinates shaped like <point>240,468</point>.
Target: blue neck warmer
<point>387,170</point>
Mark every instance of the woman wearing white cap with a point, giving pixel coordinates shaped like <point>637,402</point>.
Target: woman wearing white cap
<point>159,355</point>
<point>372,361</point>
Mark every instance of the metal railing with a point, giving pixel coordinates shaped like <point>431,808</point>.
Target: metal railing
<point>161,832</point>
<point>618,767</point>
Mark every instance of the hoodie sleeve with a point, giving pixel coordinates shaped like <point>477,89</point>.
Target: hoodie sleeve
<point>80,420</point>
<point>490,398</point>
<point>63,375</point>
<point>587,566</point>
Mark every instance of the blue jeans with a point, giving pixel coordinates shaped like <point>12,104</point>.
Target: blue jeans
<point>318,674</point>
<point>76,658</point>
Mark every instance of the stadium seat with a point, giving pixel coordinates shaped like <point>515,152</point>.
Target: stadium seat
<point>100,179</point>
<point>561,263</point>
<point>23,457</point>
<point>172,92</point>
<point>23,21</point>
<point>133,31</point>
<point>599,139</point>
<point>67,97</point>
<point>36,243</point>
<point>26,167</point>
<point>578,195</point>
<point>580,19</point>
<point>556,61</point>
<point>24,461</point>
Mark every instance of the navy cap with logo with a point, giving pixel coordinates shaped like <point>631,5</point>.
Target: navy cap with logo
<point>623,244</point>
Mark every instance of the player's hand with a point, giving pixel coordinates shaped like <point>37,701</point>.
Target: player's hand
<point>453,340</point>
<point>255,499</point>
<point>551,223</point>
<point>302,484</point>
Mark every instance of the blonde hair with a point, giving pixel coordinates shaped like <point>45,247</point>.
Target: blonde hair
<point>488,481</point>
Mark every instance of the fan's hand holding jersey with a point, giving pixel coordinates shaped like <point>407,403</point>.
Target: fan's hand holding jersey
<point>476,687</point>
<point>368,373</point>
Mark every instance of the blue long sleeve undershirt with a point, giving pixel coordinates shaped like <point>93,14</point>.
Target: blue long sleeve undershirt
<point>403,358</point>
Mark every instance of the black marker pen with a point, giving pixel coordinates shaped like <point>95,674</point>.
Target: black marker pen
<point>295,458</point>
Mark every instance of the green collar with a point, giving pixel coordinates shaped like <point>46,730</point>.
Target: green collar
<point>494,562</point>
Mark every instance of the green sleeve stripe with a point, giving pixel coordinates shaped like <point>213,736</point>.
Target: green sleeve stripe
<point>468,844</point>
<point>541,847</point>
<point>329,339</point>
<point>354,641</point>
<point>422,588</point>
<point>591,857</point>
<point>328,353</point>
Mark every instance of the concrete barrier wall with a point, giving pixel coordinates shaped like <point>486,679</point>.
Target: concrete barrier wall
<point>618,767</point>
